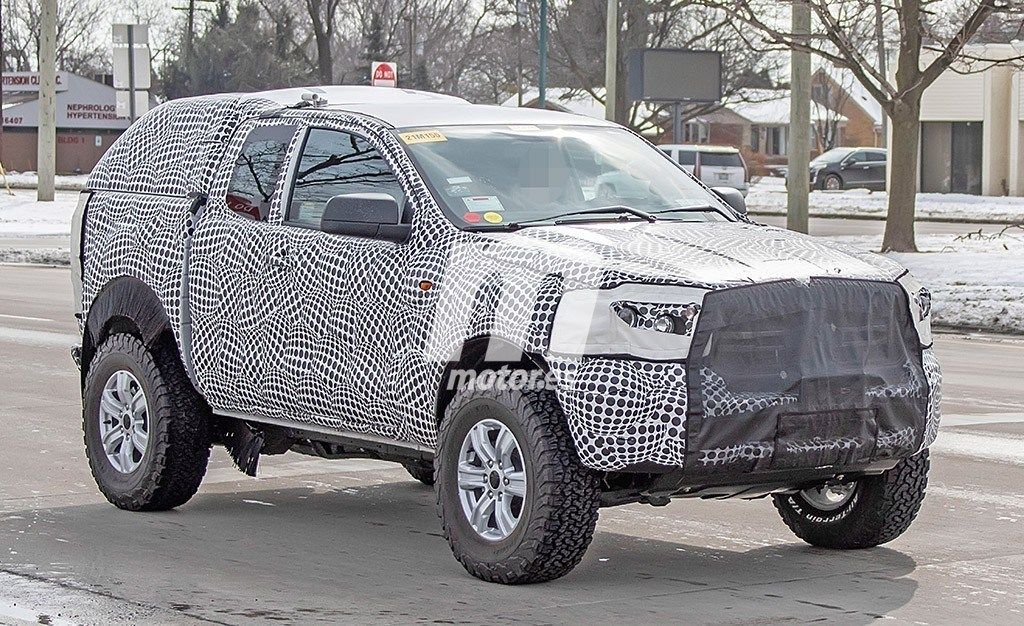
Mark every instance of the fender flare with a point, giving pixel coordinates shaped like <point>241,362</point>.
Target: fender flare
<point>125,304</point>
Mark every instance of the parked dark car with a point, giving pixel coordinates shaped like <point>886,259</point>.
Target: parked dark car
<point>849,168</point>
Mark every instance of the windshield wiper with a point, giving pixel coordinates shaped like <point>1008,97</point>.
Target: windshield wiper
<point>616,209</point>
<point>693,208</point>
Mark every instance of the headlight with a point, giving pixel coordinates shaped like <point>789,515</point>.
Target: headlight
<point>628,315</point>
<point>665,324</point>
<point>647,321</point>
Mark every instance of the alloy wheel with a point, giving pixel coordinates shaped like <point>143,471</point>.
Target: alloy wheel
<point>124,421</point>
<point>492,479</point>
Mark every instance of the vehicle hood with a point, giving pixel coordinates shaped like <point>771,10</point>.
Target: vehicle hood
<point>710,254</point>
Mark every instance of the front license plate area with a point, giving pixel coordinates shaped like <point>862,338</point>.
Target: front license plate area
<point>819,439</point>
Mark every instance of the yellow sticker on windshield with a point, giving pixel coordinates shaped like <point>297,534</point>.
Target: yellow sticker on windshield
<point>493,218</point>
<point>422,136</point>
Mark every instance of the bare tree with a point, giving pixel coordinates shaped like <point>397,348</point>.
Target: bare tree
<point>80,48</point>
<point>831,93</point>
<point>931,40</point>
<point>577,57</point>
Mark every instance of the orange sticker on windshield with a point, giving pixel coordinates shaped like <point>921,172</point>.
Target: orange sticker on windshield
<point>422,136</point>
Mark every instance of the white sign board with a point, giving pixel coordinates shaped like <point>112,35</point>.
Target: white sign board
<point>137,53</point>
<point>140,34</point>
<point>123,106</point>
<point>384,74</point>
<point>29,81</point>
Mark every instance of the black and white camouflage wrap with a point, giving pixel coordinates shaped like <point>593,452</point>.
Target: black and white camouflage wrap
<point>334,331</point>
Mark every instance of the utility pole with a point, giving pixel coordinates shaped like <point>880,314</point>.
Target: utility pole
<point>191,31</point>
<point>797,174</point>
<point>542,45</point>
<point>46,155</point>
<point>880,37</point>
<point>611,59</point>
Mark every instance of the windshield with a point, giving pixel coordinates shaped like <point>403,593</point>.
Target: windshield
<point>502,175</point>
<point>834,155</point>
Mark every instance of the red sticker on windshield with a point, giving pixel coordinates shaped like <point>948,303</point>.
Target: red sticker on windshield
<point>472,218</point>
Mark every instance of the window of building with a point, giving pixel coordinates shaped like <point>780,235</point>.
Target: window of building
<point>258,169</point>
<point>335,163</point>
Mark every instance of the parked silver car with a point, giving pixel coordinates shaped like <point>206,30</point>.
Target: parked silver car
<point>715,166</point>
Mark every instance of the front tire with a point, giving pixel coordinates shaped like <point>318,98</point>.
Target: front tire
<point>877,510</point>
<point>516,504</point>
<point>832,182</point>
<point>146,430</point>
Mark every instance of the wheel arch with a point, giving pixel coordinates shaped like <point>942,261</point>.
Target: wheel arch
<point>125,305</point>
<point>472,355</point>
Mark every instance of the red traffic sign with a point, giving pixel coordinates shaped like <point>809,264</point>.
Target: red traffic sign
<point>384,74</point>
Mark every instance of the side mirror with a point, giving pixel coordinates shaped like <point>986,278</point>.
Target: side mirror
<point>374,215</point>
<point>732,197</point>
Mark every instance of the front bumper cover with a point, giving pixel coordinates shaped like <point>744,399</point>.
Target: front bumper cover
<point>780,376</point>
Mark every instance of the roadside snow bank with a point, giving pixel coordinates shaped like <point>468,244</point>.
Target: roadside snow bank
<point>976,280</point>
<point>768,197</point>
<point>22,215</point>
<point>29,180</point>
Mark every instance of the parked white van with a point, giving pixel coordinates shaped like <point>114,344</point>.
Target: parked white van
<point>715,166</point>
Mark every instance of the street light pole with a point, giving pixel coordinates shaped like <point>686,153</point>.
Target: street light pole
<point>47,138</point>
<point>611,59</point>
<point>797,172</point>
<point>542,45</point>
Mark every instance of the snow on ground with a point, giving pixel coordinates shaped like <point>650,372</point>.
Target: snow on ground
<point>29,180</point>
<point>977,280</point>
<point>22,215</point>
<point>768,196</point>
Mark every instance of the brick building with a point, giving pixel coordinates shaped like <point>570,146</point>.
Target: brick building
<point>86,122</point>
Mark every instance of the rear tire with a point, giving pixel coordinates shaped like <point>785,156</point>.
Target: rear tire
<point>557,515</point>
<point>422,472</point>
<point>173,447</point>
<point>879,510</point>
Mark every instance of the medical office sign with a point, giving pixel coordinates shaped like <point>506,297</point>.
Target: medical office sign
<point>20,82</point>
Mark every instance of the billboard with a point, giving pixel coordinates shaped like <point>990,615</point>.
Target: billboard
<point>675,75</point>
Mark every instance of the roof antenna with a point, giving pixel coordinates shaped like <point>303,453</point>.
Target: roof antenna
<point>313,98</point>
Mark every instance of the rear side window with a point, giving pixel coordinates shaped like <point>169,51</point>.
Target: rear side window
<point>720,159</point>
<point>876,156</point>
<point>257,170</point>
<point>687,157</point>
<point>335,163</point>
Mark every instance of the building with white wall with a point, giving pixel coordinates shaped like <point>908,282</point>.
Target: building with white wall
<point>971,136</point>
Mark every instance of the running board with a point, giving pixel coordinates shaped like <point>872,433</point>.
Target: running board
<point>383,447</point>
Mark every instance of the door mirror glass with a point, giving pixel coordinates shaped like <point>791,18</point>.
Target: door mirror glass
<point>376,215</point>
<point>732,197</point>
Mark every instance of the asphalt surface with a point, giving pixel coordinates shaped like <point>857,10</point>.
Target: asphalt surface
<point>358,541</point>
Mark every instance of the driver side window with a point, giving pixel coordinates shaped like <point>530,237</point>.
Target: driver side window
<point>333,163</point>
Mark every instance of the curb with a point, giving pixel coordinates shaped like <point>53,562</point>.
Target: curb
<point>881,218</point>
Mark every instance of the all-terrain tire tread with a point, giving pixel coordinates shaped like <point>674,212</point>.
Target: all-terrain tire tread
<point>180,452</point>
<point>886,509</point>
<point>566,499</point>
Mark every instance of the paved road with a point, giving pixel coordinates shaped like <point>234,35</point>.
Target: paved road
<point>358,541</point>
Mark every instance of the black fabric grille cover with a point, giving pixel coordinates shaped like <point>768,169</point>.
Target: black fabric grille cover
<point>787,375</point>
